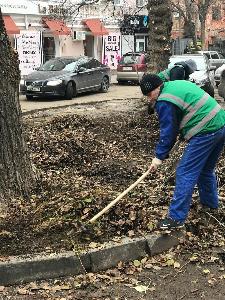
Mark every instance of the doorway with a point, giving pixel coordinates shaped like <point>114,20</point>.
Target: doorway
<point>140,43</point>
<point>89,45</point>
<point>48,48</point>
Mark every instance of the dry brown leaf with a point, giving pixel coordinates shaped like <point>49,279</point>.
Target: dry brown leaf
<point>22,291</point>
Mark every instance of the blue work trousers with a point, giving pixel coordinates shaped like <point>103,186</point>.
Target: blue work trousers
<point>197,167</point>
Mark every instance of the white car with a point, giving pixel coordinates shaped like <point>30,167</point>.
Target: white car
<point>216,59</point>
<point>218,73</point>
<point>204,76</point>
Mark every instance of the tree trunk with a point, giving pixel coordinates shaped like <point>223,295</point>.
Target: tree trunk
<point>16,173</point>
<point>203,7</point>
<point>190,14</point>
<point>160,26</point>
<point>203,35</point>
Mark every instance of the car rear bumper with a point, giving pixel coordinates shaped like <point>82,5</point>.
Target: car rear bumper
<point>129,75</point>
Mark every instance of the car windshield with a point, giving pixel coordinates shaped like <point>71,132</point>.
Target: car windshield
<point>58,65</point>
<point>130,59</point>
<point>199,60</point>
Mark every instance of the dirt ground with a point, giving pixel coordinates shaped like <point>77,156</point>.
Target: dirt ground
<point>86,156</point>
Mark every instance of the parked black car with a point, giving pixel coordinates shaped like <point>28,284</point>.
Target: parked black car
<point>65,77</point>
<point>204,76</point>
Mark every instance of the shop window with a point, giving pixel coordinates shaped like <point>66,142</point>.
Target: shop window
<point>48,48</point>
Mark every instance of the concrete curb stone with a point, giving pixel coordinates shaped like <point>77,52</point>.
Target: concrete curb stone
<point>128,249</point>
<point>158,244</point>
<point>26,269</point>
<point>36,267</point>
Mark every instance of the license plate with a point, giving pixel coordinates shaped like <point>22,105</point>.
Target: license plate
<point>127,68</point>
<point>33,88</point>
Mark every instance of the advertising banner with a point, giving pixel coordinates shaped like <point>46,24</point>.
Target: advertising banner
<point>111,53</point>
<point>29,48</point>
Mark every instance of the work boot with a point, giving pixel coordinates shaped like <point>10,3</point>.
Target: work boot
<point>205,210</point>
<point>168,224</point>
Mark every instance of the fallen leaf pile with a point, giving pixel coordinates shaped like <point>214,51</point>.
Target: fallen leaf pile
<point>85,163</point>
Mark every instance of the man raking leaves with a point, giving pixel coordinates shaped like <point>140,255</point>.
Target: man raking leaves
<point>185,109</point>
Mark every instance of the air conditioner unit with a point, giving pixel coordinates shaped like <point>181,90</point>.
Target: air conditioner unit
<point>79,35</point>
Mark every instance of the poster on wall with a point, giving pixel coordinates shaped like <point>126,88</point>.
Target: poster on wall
<point>29,48</point>
<point>111,53</point>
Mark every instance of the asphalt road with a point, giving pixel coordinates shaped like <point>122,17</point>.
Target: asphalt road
<point>115,92</point>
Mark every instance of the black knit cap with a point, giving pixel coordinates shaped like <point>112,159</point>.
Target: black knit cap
<point>149,82</point>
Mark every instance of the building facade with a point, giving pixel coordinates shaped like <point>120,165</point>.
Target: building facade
<point>38,37</point>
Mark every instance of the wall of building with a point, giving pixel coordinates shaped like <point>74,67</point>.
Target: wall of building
<point>68,47</point>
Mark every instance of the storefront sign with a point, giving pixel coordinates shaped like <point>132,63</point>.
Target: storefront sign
<point>111,53</point>
<point>134,24</point>
<point>29,47</point>
<point>23,7</point>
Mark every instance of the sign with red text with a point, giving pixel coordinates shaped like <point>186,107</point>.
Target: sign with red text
<point>111,53</point>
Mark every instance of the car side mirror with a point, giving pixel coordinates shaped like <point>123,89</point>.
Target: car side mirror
<point>81,69</point>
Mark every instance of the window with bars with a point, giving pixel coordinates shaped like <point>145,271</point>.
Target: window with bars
<point>118,2</point>
<point>140,3</point>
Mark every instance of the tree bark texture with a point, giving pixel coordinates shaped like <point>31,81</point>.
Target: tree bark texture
<point>16,173</point>
<point>203,8</point>
<point>190,8</point>
<point>160,26</point>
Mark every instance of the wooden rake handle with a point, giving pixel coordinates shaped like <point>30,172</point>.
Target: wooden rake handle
<point>119,197</point>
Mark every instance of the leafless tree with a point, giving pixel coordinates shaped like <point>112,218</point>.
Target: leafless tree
<point>203,8</point>
<point>187,10</point>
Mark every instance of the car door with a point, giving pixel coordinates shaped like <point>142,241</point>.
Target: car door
<point>94,73</point>
<point>98,71</point>
<point>83,76</point>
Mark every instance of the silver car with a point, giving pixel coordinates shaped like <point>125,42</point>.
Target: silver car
<point>66,77</point>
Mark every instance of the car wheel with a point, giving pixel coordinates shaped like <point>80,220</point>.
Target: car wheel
<point>29,97</point>
<point>104,85</point>
<point>70,91</point>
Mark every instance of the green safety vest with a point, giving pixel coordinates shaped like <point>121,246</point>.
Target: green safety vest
<point>200,112</point>
<point>165,75</point>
